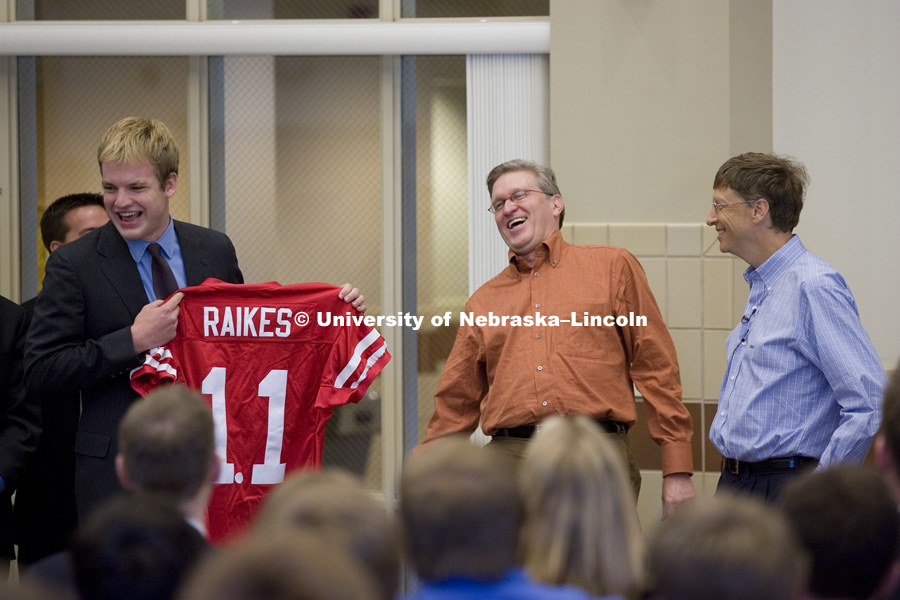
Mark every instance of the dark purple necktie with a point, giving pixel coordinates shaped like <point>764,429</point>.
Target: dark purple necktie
<point>164,284</point>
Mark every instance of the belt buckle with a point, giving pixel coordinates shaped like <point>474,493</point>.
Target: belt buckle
<point>733,466</point>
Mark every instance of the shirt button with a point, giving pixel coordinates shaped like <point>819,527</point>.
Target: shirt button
<point>540,368</point>
<point>537,305</point>
<point>552,262</point>
<point>544,403</point>
<point>538,336</point>
<point>743,342</point>
<point>732,377</point>
<point>536,274</point>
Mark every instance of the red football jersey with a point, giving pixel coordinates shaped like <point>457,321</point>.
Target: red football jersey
<point>272,375</point>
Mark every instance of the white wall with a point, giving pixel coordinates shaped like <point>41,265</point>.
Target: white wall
<point>640,110</point>
<point>836,108</point>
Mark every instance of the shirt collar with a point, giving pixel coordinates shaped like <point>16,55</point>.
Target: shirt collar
<point>166,241</point>
<point>549,252</point>
<point>198,525</point>
<point>778,263</point>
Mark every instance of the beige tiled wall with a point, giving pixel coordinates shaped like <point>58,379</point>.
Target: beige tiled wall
<point>701,294</point>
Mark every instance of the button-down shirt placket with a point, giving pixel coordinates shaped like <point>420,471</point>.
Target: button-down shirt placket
<point>540,369</point>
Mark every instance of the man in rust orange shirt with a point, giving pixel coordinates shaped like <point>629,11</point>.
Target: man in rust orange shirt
<point>563,330</point>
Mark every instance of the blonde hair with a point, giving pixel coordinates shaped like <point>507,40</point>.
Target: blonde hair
<point>134,140</point>
<point>581,526</point>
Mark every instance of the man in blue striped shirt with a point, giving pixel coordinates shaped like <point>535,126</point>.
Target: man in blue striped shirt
<point>803,383</point>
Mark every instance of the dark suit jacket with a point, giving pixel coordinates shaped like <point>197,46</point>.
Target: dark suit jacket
<point>20,420</point>
<point>81,337</point>
<point>44,511</point>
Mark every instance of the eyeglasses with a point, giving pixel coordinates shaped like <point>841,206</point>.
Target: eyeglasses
<point>516,198</point>
<point>717,206</point>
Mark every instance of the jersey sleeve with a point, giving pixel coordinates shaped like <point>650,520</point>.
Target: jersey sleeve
<point>159,368</point>
<point>357,356</point>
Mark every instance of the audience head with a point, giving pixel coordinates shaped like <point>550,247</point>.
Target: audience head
<point>336,505</point>
<point>460,511</point>
<point>581,526</point>
<point>887,444</point>
<point>726,548</point>
<point>167,444</point>
<point>780,180</point>
<point>546,178</point>
<point>135,140</point>
<point>70,217</point>
<point>134,548</point>
<point>846,518</point>
<point>26,589</point>
<point>291,566</point>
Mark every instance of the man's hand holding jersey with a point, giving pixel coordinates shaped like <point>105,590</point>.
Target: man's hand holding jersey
<point>155,324</point>
<point>352,295</point>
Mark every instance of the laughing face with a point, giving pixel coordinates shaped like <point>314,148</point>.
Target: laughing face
<point>733,222</point>
<point>136,202</point>
<point>526,224</point>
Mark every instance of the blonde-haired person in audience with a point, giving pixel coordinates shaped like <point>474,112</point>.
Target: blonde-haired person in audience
<point>336,505</point>
<point>581,527</point>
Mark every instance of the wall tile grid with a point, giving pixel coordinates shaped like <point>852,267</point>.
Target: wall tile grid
<point>701,293</point>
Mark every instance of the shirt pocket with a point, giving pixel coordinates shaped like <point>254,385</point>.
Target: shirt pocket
<point>584,335</point>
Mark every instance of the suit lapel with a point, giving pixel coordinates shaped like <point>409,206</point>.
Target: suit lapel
<point>192,253</point>
<point>119,268</point>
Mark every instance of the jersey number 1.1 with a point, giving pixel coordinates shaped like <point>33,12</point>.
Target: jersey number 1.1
<point>273,387</point>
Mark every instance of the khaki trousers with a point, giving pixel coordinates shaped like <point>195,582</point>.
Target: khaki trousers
<point>515,447</point>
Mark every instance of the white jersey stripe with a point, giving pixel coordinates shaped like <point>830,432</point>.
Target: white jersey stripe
<point>373,358</point>
<point>353,363</point>
<point>167,368</point>
<point>157,364</point>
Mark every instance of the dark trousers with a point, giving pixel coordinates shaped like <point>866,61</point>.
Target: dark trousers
<point>767,486</point>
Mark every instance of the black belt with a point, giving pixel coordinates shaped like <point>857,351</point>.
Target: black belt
<point>772,465</point>
<point>526,431</point>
